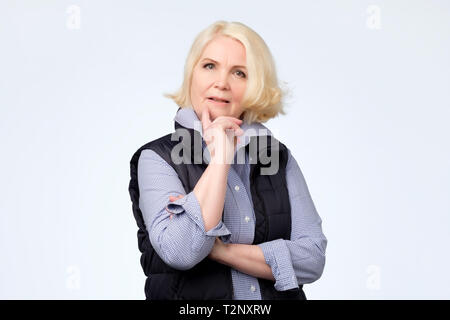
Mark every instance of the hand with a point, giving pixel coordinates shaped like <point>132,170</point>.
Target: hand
<point>172,198</point>
<point>221,136</point>
<point>219,250</point>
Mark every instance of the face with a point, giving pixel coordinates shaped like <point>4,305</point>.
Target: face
<point>219,79</point>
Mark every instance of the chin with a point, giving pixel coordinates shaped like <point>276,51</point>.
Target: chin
<point>217,112</point>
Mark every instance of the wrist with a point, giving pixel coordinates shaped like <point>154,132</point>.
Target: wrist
<point>219,163</point>
<point>223,255</point>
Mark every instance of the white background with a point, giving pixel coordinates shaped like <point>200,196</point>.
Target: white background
<point>367,122</point>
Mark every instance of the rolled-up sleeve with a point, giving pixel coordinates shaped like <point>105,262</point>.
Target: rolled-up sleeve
<point>277,256</point>
<point>181,242</point>
<point>189,205</point>
<point>301,259</point>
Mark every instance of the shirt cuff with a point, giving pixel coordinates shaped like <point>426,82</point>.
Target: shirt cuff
<point>278,257</point>
<point>190,205</point>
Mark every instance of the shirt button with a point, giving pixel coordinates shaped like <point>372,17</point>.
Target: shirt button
<point>252,288</point>
<point>236,188</point>
<point>247,218</point>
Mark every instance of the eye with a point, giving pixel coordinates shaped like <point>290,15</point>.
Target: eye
<point>238,72</point>
<point>242,75</point>
<point>208,64</point>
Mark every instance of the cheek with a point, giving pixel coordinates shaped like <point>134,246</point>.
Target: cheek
<point>239,91</point>
<point>199,84</point>
<point>195,88</point>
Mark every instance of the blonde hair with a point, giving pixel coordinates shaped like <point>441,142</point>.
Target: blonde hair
<point>263,96</point>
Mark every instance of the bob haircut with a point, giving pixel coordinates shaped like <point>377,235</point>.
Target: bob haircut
<point>263,96</point>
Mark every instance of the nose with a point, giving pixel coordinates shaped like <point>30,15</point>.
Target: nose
<point>222,83</point>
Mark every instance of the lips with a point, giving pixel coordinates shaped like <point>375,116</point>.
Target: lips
<point>217,99</point>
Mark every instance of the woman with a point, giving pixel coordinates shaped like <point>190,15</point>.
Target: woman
<point>211,228</point>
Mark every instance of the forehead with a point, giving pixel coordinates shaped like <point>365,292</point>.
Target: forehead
<point>225,49</point>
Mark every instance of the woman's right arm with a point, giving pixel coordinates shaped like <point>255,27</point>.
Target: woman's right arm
<point>211,188</point>
<point>182,241</point>
<point>210,191</point>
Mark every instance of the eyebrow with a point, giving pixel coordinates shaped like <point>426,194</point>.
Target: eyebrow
<point>243,67</point>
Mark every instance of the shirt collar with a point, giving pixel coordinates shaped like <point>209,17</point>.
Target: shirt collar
<point>188,118</point>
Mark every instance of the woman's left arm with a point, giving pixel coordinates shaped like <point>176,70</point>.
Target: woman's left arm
<point>292,262</point>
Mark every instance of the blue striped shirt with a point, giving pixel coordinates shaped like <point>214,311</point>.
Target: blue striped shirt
<point>182,241</point>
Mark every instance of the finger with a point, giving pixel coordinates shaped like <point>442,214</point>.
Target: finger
<point>221,118</point>
<point>206,118</point>
<point>229,123</point>
<point>233,126</point>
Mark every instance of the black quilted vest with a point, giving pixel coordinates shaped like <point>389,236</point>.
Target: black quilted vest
<point>273,221</point>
